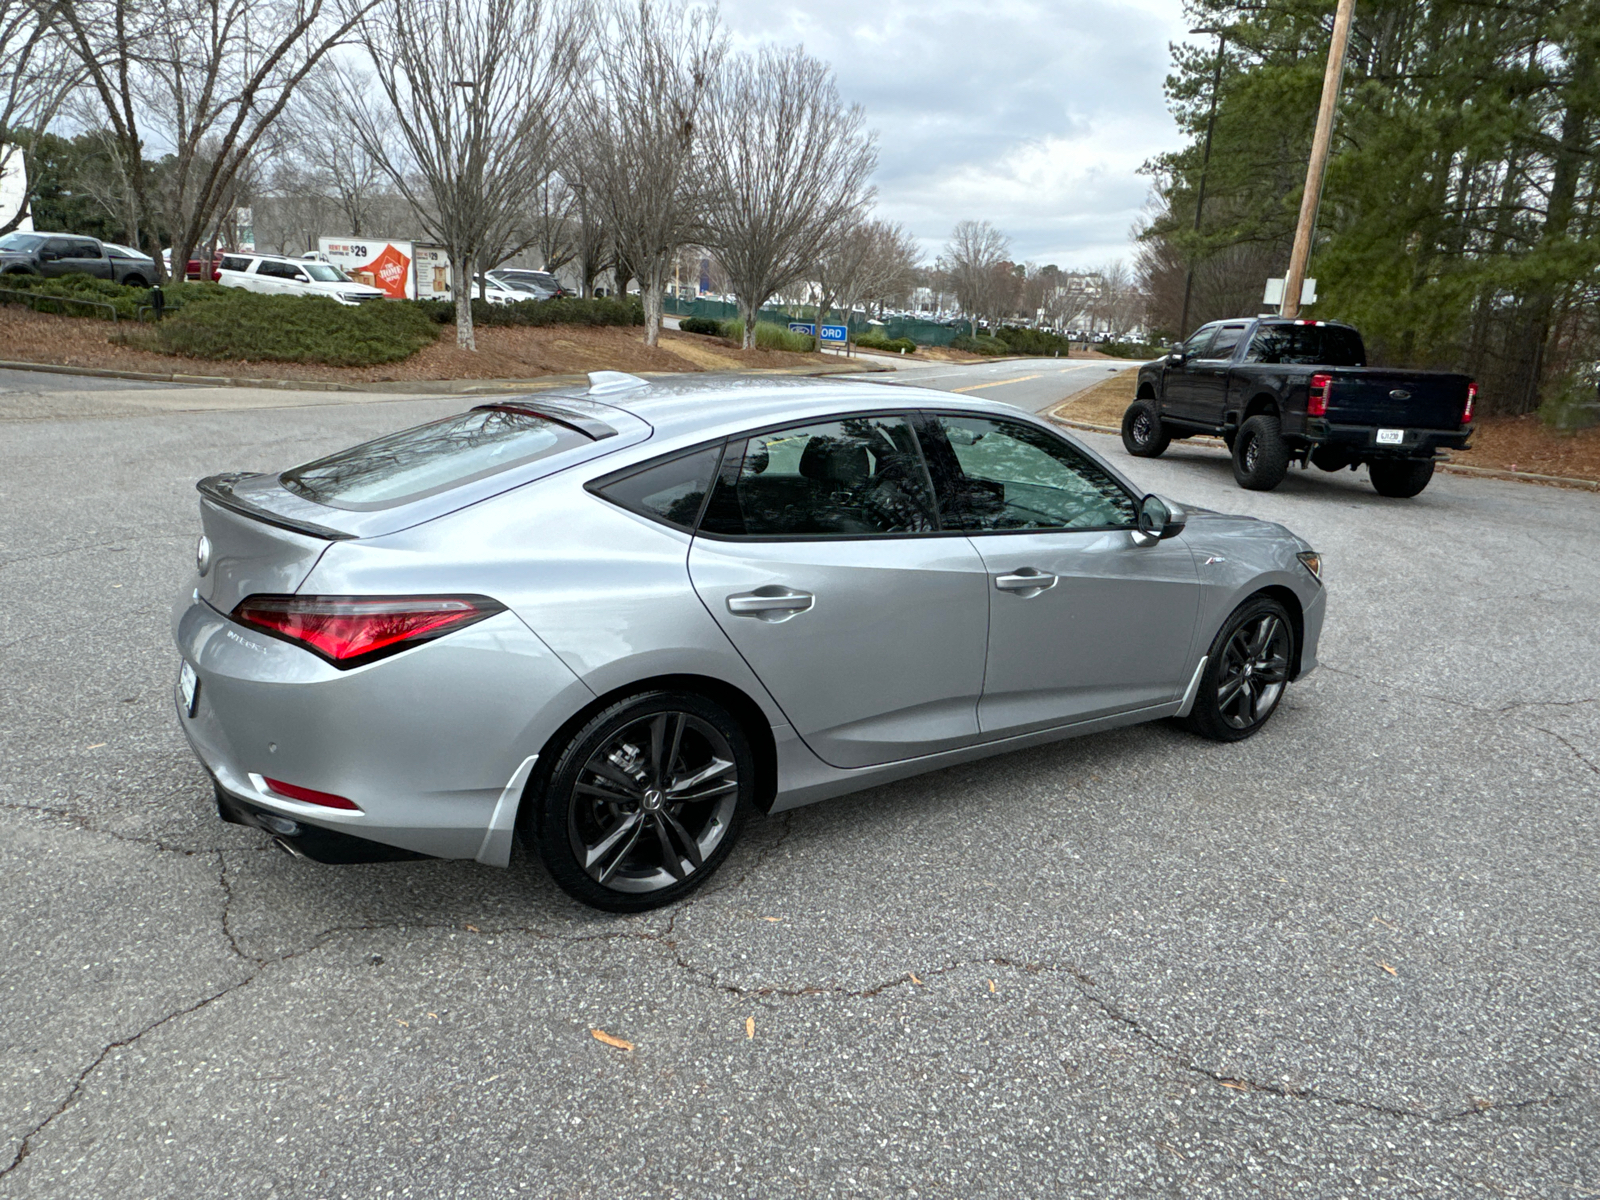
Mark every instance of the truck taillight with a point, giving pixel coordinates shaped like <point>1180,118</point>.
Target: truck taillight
<point>348,631</point>
<point>1472,400</point>
<point>1317,396</point>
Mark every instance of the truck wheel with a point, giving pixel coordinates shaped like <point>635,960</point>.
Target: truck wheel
<point>1142,434</point>
<point>1260,458</point>
<point>1403,479</point>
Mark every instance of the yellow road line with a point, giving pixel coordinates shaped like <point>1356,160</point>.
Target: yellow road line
<point>996,383</point>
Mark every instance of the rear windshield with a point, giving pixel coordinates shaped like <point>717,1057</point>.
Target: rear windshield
<point>1308,345</point>
<point>429,459</point>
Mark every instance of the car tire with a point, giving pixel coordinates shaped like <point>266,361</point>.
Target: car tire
<point>1255,644</point>
<point>603,818</point>
<point>1400,480</point>
<point>1142,432</point>
<point>135,281</point>
<point>1260,456</point>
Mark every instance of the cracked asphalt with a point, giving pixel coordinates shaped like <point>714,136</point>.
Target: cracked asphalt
<point>1355,955</point>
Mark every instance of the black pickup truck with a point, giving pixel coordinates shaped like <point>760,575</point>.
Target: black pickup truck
<point>1280,391</point>
<point>28,253</point>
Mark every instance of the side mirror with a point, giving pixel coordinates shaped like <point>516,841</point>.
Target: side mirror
<point>1158,520</point>
<point>301,277</point>
<point>1175,352</point>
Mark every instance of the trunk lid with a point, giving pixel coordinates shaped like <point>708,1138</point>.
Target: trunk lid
<point>248,556</point>
<point>1396,399</point>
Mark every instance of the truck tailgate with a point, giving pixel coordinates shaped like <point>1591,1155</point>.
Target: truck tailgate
<point>1397,399</point>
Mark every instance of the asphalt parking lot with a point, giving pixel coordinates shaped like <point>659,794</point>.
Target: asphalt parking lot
<point>1354,956</point>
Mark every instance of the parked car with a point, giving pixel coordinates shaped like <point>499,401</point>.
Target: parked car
<point>501,293</point>
<point>1280,390</point>
<point>196,267</point>
<point>55,254</point>
<point>544,284</point>
<point>619,620</point>
<point>280,275</point>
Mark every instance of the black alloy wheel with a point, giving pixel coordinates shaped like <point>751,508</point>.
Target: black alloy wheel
<point>645,801</point>
<point>1246,673</point>
<point>1260,457</point>
<point>1142,433</point>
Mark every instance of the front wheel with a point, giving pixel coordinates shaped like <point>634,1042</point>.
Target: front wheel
<point>1245,674</point>
<point>1401,480</point>
<point>1142,432</point>
<point>645,801</point>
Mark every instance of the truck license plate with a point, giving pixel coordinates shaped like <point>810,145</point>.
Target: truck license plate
<point>1391,437</point>
<point>188,688</point>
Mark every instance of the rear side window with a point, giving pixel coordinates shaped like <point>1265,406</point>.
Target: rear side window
<point>232,262</point>
<point>855,477</point>
<point>429,459</point>
<point>278,270</point>
<point>1307,345</point>
<point>672,491</point>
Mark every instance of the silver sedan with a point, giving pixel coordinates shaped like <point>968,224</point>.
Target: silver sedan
<point>617,620</point>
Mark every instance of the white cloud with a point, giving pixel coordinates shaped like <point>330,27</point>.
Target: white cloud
<point>1035,116</point>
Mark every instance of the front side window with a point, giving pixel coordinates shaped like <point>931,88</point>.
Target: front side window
<point>994,475</point>
<point>1195,347</point>
<point>431,458</point>
<point>855,477</point>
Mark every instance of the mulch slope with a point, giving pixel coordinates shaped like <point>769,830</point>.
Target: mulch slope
<point>1520,444</point>
<point>503,353</point>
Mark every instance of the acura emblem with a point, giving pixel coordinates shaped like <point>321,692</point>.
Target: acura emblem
<point>202,555</point>
<point>1399,394</point>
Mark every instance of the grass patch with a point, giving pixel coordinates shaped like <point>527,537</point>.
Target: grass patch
<point>235,324</point>
<point>771,337</point>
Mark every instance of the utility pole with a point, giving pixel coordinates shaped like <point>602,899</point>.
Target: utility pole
<point>1205,163</point>
<point>1317,168</point>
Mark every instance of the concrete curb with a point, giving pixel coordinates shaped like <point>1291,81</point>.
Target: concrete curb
<point>1591,485</point>
<point>445,387</point>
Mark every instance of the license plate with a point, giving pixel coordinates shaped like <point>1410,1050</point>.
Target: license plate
<point>188,688</point>
<point>1391,437</point>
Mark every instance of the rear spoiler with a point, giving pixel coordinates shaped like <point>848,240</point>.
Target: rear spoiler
<point>219,490</point>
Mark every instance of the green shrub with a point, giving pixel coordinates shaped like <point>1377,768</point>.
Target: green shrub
<point>771,337</point>
<point>701,325</point>
<point>57,294</point>
<point>563,310</point>
<point>1022,340</point>
<point>876,341</point>
<point>236,324</point>
<point>982,344</point>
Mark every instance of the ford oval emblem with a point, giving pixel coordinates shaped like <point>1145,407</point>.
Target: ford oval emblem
<point>1399,394</point>
<point>202,555</point>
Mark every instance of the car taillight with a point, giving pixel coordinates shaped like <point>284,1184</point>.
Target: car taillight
<point>310,795</point>
<point>348,631</point>
<point>1472,399</point>
<point>1317,396</point>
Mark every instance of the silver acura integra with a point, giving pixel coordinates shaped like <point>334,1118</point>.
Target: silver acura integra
<point>617,620</point>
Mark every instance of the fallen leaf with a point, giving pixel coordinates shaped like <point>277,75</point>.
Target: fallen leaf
<point>1279,879</point>
<point>600,1035</point>
<point>1386,924</point>
<point>992,988</point>
<point>1387,967</point>
<point>1235,1084</point>
<point>749,1027</point>
<point>773,919</point>
<point>472,928</point>
<point>97,745</point>
<point>398,1021</point>
<point>915,980</point>
<point>435,1016</point>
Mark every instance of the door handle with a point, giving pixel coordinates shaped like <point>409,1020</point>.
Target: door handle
<point>1027,581</point>
<point>770,603</point>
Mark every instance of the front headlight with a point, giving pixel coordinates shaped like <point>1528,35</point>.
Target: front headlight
<point>1311,561</point>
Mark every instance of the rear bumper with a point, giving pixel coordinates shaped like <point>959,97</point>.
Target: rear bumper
<point>427,744</point>
<point>305,840</point>
<point>1361,441</point>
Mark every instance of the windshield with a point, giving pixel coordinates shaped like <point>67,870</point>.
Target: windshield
<point>430,458</point>
<point>323,273</point>
<point>21,241</point>
<point>1308,345</point>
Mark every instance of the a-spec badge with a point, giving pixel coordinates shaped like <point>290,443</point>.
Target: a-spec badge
<point>202,555</point>
<point>1399,394</point>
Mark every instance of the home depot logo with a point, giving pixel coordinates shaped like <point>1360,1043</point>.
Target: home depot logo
<point>390,271</point>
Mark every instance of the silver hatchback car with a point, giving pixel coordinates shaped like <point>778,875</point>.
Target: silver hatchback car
<point>617,620</point>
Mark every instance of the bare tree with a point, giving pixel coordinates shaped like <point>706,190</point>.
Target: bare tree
<point>1118,302</point>
<point>869,260</point>
<point>36,75</point>
<point>786,165</point>
<point>639,125</point>
<point>326,140</point>
<point>471,89</point>
<point>209,78</point>
<point>974,259</point>
<point>555,224</point>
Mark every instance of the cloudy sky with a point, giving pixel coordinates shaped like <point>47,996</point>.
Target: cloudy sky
<point>1033,115</point>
